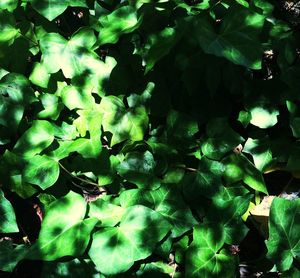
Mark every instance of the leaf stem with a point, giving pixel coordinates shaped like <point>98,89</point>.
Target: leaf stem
<point>78,178</point>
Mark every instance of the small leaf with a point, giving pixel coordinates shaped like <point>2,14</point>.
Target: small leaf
<point>7,26</point>
<point>39,75</point>
<point>8,222</point>
<point>138,225</point>
<point>41,170</point>
<point>283,243</point>
<point>9,5</point>
<point>121,21</point>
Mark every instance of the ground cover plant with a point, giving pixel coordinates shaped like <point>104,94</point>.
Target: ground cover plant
<point>149,138</point>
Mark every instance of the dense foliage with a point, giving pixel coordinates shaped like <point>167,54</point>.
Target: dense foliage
<point>139,138</point>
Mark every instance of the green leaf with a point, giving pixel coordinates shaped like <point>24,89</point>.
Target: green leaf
<point>75,57</point>
<point>41,170</point>
<point>283,243</point>
<point>9,5</point>
<point>52,107</point>
<point>63,231</point>
<point>53,8</point>
<point>8,30</point>
<point>167,201</point>
<point>238,38</point>
<point>8,222</point>
<point>15,95</point>
<point>121,21</point>
<point>75,268</point>
<point>35,139</point>
<point>238,168</point>
<point>295,126</point>
<point>138,168</point>
<point>262,154</point>
<point>263,117</point>
<point>10,255</point>
<point>138,225</point>
<point>130,124</point>
<point>205,256</point>
<point>229,213</point>
<point>39,75</point>
<point>107,213</point>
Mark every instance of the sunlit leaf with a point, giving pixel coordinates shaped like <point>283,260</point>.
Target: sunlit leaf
<point>138,225</point>
<point>123,124</point>
<point>237,39</point>
<point>53,8</point>
<point>64,231</point>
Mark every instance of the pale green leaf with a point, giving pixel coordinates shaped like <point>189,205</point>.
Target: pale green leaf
<point>263,117</point>
<point>123,124</point>
<point>39,75</point>
<point>9,5</point>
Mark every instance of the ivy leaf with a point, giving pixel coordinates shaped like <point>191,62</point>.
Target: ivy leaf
<point>8,222</point>
<point>52,107</point>
<point>262,154</point>
<point>41,170</point>
<point>205,258</point>
<point>8,30</point>
<point>238,168</point>
<point>138,168</point>
<point>9,5</point>
<point>35,139</point>
<point>53,8</point>
<point>121,21</point>
<point>123,124</point>
<point>263,118</point>
<point>238,38</point>
<point>74,57</point>
<point>63,231</point>
<point>167,201</point>
<point>138,225</point>
<point>39,75</point>
<point>10,255</point>
<point>15,95</point>
<point>283,243</point>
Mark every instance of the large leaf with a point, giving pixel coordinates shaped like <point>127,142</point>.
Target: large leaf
<point>35,139</point>
<point>237,39</point>
<point>8,222</point>
<point>166,200</point>
<point>205,256</point>
<point>123,124</point>
<point>284,242</point>
<point>53,8</point>
<point>63,232</point>
<point>75,57</point>
<point>41,170</point>
<point>121,21</point>
<point>125,243</point>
